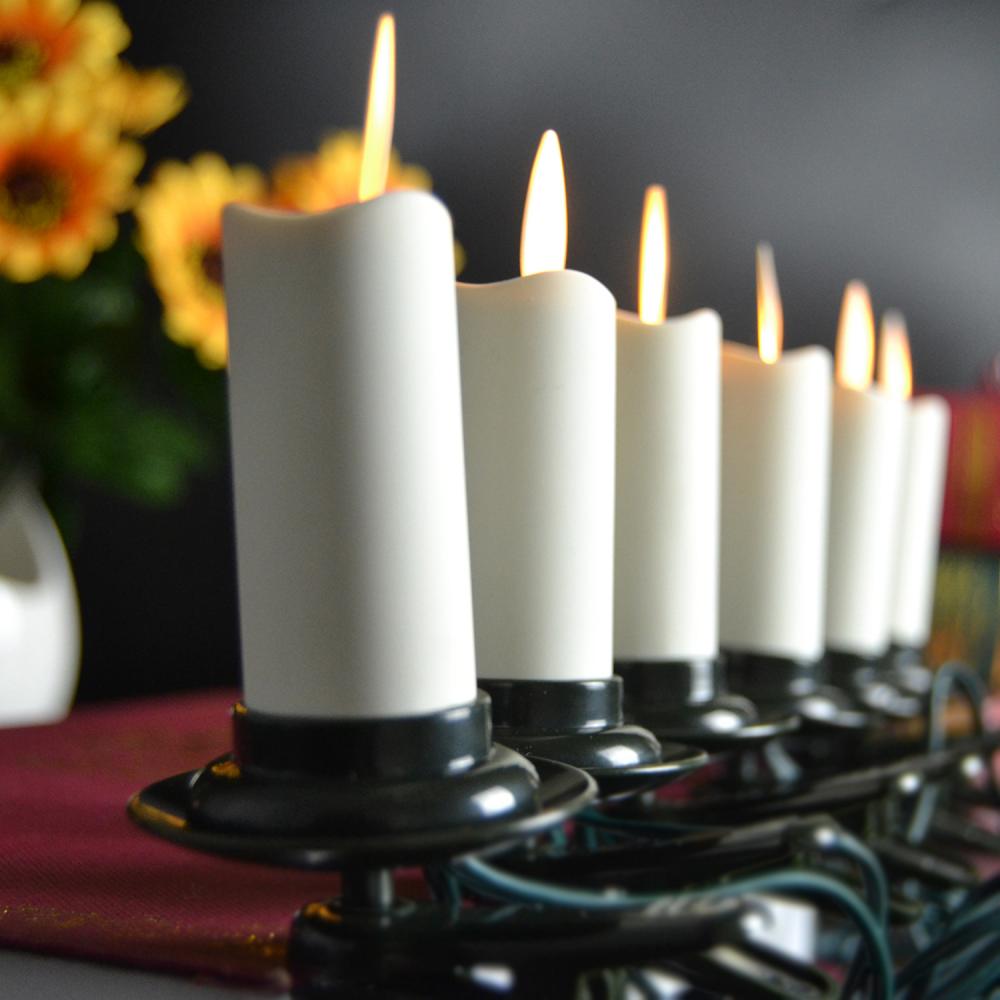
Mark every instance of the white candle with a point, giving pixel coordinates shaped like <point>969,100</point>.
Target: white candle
<point>667,471</point>
<point>538,394</point>
<point>865,481</point>
<point>926,459</point>
<point>775,478</point>
<point>345,416</point>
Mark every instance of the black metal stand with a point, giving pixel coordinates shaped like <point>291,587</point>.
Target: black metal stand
<point>582,723</point>
<point>408,950</point>
<point>669,863</point>
<point>849,791</point>
<point>366,796</point>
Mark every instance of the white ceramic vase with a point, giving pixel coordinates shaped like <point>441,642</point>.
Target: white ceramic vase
<point>39,618</point>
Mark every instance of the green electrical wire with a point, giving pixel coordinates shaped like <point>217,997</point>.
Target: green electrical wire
<point>952,953</point>
<point>872,873</point>
<point>959,976</point>
<point>830,839</point>
<point>985,984</point>
<point>653,828</point>
<point>835,841</point>
<point>948,677</point>
<point>479,875</point>
<point>946,946</point>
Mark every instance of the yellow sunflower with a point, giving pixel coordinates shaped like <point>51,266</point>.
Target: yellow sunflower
<point>180,235</point>
<point>141,100</point>
<point>64,176</point>
<point>44,40</point>
<point>330,177</point>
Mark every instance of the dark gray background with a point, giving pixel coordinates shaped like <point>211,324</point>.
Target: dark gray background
<point>860,137</point>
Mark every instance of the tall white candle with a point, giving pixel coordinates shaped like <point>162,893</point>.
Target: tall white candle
<point>918,535</point>
<point>865,482</point>
<point>667,472</point>
<point>345,416</point>
<point>538,395</point>
<point>775,479</point>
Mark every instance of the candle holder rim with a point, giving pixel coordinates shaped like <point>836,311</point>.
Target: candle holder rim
<point>765,727</point>
<point>162,808</point>
<point>451,739</point>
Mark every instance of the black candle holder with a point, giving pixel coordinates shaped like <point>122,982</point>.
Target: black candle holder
<point>336,793</point>
<point>582,723</point>
<point>687,700</point>
<point>865,679</point>
<point>904,667</point>
<point>780,685</point>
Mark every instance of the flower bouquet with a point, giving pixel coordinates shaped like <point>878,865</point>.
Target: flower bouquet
<point>91,393</point>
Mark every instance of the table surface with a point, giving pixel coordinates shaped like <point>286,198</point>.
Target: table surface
<point>80,881</point>
<point>26,976</point>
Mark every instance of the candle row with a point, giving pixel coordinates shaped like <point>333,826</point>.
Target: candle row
<point>831,490</point>
<point>410,457</point>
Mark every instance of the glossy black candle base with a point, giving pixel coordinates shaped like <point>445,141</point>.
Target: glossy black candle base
<point>870,685</point>
<point>777,684</point>
<point>320,793</point>
<point>581,723</point>
<point>904,667</point>
<point>687,700</point>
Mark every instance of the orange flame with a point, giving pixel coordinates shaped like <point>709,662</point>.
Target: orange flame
<point>654,256</point>
<point>770,317</point>
<point>895,368</point>
<point>543,231</point>
<point>855,355</point>
<point>377,144</point>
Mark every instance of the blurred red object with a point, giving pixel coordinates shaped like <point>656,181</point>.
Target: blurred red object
<point>971,517</point>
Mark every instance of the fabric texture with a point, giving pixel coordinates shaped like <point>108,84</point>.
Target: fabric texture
<point>78,878</point>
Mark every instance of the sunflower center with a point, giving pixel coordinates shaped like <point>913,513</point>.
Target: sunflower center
<point>21,59</point>
<point>211,265</point>
<point>32,195</point>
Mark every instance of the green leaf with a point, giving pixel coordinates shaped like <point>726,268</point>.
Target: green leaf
<point>129,448</point>
<point>77,364</point>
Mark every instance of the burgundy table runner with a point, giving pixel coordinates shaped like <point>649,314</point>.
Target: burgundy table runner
<point>78,878</point>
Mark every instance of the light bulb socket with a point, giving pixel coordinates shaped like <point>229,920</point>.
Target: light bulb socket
<point>450,741</point>
<point>325,793</point>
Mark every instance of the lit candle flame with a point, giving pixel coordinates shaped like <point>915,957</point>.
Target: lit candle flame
<point>377,144</point>
<point>895,368</point>
<point>856,338</point>
<point>770,317</point>
<point>654,256</point>
<point>543,232</point>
